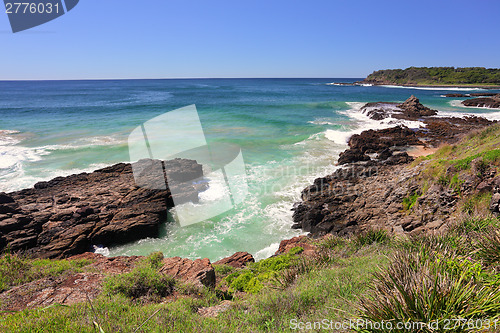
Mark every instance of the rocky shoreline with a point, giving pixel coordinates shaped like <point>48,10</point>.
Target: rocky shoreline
<point>481,100</point>
<point>369,191</point>
<point>67,216</point>
<point>70,215</point>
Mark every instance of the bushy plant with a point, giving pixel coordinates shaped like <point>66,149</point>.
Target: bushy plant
<point>416,288</point>
<point>143,281</point>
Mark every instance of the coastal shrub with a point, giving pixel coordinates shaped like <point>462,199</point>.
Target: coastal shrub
<point>489,248</point>
<point>155,259</point>
<point>15,270</point>
<point>255,276</point>
<point>471,223</point>
<point>331,242</point>
<point>476,204</point>
<point>371,236</point>
<point>143,281</point>
<point>223,270</point>
<point>415,288</point>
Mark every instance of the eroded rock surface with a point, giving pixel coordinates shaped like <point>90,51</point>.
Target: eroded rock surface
<point>68,215</point>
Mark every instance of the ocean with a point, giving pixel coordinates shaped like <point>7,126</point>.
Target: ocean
<point>290,132</point>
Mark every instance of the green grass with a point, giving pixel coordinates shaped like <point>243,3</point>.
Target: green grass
<point>15,270</point>
<point>329,289</point>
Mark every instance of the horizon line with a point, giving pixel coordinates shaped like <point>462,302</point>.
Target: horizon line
<point>174,78</point>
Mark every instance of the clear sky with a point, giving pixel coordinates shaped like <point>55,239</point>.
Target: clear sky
<point>254,38</point>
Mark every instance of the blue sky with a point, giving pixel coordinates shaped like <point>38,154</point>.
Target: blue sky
<point>274,38</point>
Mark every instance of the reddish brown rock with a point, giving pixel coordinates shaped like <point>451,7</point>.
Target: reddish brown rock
<point>237,260</point>
<point>299,241</point>
<point>198,272</point>
<point>109,265</point>
<point>75,288</point>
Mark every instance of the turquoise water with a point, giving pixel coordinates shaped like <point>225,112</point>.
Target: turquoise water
<point>290,131</point>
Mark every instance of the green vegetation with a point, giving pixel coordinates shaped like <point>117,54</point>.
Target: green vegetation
<point>411,200</point>
<point>144,281</point>
<point>253,279</point>
<point>437,76</point>
<point>15,270</point>
<point>326,286</point>
<point>451,166</point>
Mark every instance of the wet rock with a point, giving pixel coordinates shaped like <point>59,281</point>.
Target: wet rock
<point>68,215</point>
<point>484,102</point>
<point>351,156</point>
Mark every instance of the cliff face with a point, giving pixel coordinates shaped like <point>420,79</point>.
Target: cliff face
<point>377,189</point>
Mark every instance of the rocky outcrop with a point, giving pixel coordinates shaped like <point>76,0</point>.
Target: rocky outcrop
<point>198,272</point>
<point>67,215</point>
<point>299,241</point>
<point>484,102</point>
<point>237,260</point>
<point>369,191</point>
<point>378,141</point>
<point>412,108</point>
<point>83,286</point>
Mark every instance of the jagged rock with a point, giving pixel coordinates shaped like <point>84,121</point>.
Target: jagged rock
<point>299,241</point>
<point>75,288</point>
<point>198,272</point>
<point>484,102</point>
<point>457,95</point>
<point>414,109</point>
<point>351,156</point>
<point>380,140</point>
<point>237,260</point>
<point>400,158</point>
<point>213,311</point>
<point>495,203</point>
<point>67,215</point>
<point>384,154</point>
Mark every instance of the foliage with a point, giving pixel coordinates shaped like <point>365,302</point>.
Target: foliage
<point>437,75</point>
<point>143,281</point>
<point>16,270</point>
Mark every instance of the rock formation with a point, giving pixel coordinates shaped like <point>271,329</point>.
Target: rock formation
<point>67,215</point>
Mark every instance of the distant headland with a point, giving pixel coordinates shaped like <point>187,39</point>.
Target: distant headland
<point>437,76</point>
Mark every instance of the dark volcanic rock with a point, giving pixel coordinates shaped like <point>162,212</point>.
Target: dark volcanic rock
<point>414,109</point>
<point>379,140</point>
<point>370,194</point>
<point>457,95</point>
<point>485,102</point>
<point>67,215</point>
<point>352,155</point>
